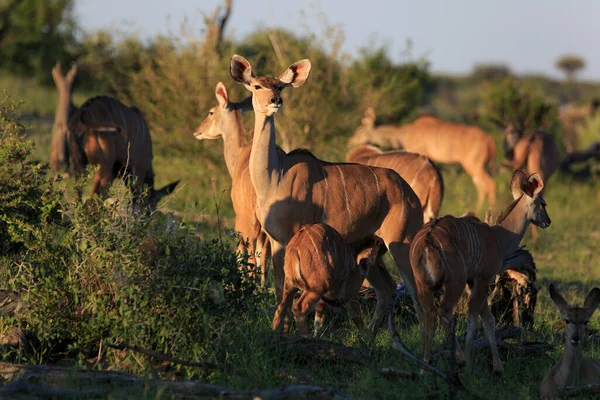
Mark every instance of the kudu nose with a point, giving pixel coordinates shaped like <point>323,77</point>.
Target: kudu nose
<point>276,100</point>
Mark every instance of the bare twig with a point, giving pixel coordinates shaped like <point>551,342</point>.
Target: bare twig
<point>154,354</point>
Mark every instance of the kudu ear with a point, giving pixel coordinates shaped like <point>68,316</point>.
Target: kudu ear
<point>241,70</point>
<point>534,185</point>
<point>296,74</point>
<point>221,95</point>
<point>518,181</point>
<point>591,301</point>
<point>157,195</point>
<point>559,302</point>
<point>363,266</point>
<point>369,117</point>
<point>72,72</point>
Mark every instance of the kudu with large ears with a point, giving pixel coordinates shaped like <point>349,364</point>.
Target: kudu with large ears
<point>573,367</point>
<point>297,188</point>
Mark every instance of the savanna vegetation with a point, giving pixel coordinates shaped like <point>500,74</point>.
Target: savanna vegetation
<point>81,281</point>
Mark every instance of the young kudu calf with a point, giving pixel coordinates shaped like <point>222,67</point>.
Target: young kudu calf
<point>451,253</point>
<point>59,152</point>
<point>421,174</point>
<point>573,367</point>
<point>441,141</point>
<point>320,263</point>
<point>225,120</point>
<point>297,188</point>
<point>532,152</point>
<point>105,132</point>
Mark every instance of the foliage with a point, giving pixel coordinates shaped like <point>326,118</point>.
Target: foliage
<point>488,72</point>
<point>509,101</point>
<point>570,64</point>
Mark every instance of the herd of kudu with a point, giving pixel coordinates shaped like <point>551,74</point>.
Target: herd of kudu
<point>326,225</point>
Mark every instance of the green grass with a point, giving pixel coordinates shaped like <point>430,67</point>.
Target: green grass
<point>565,254</point>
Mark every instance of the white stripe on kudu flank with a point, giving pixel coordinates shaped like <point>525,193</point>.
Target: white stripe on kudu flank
<point>345,192</point>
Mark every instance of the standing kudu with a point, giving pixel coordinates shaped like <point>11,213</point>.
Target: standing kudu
<point>320,263</point>
<point>532,152</point>
<point>105,132</point>
<point>225,120</point>
<point>573,367</point>
<point>59,152</point>
<point>421,174</point>
<point>450,253</point>
<point>441,141</point>
<point>297,188</point>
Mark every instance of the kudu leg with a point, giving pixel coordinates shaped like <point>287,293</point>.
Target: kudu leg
<point>278,258</point>
<point>446,312</point>
<point>319,317</point>
<point>477,302</point>
<point>354,311</point>
<point>489,325</point>
<point>305,304</point>
<point>384,287</point>
<point>486,187</point>
<point>283,309</point>
<point>427,320</point>
<point>399,252</point>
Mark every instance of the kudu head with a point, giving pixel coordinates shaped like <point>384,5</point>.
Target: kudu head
<point>529,189</point>
<point>362,134</point>
<point>367,254</point>
<point>221,116</point>
<point>266,91</point>
<point>512,134</point>
<point>154,196</point>
<point>576,318</point>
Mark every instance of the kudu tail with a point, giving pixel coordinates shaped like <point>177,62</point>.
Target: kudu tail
<point>432,263</point>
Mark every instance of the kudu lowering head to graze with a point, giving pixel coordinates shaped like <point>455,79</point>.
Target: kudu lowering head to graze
<point>105,132</point>
<point>419,171</point>
<point>297,188</point>
<point>450,253</point>
<point>59,152</point>
<point>573,368</point>
<point>320,263</point>
<point>225,120</point>
<point>441,141</point>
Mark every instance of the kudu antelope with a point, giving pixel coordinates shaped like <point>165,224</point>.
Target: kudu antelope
<point>421,174</point>
<point>570,117</point>
<point>441,141</point>
<point>297,188</point>
<point>573,368</point>
<point>320,263</point>
<point>59,152</point>
<point>534,152</point>
<point>105,132</point>
<point>225,120</point>
<point>451,253</point>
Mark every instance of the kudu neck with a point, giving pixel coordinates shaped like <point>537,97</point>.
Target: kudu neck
<point>233,139</point>
<point>571,363</point>
<point>387,136</point>
<point>264,161</point>
<point>511,229</point>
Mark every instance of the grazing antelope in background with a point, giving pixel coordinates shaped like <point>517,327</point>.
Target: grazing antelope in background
<point>450,253</point>
<point>570,116</point>
<point>297,188</point>
<point>573,368</point>
<point>106,132</point>
<point>320,263</point>
<point>441,141</point>
<point>225,120</point>
<point>59,152</point>
<point>532,152</point>
<point>421,174</point>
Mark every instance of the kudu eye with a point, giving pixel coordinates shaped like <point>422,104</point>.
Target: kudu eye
<point>211,112</point>
<point>256,87</point>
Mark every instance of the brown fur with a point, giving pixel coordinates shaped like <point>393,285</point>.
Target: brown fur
<point>296,189</point>
<point>106,132</point>
<point>421,174</point>
<point>59,153</point>
<point>320,263</point>
<point>573,368</point>
<point>440,141</point>
<point>451,253</point>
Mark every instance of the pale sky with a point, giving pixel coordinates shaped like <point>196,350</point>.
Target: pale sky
<point>452,35</point>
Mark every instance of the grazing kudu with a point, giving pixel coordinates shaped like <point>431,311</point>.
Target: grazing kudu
<point>421,174</point>
<point>225,120</point>
<point>297,188</point>
<point>451,253</point>
<point>570,116</point>
<point>105,132</point>
<point>440,141</point>
<point>59,152</point>
<point>573,368</point>
<point>320,263</point>
<point>532,152</point>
